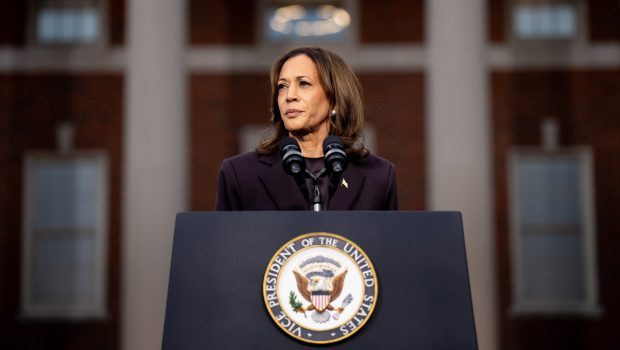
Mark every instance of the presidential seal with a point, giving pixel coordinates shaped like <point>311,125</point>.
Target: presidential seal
<point>320,288</point>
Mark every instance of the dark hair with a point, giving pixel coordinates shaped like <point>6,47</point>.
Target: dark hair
<point>343,91</point>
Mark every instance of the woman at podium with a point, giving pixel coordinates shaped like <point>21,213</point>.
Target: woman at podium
<point>314,158</point>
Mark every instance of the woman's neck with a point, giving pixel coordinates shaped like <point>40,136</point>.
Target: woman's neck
<point>311,144</point>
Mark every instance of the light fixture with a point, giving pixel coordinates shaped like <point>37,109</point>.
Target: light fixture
<point>305,21</point>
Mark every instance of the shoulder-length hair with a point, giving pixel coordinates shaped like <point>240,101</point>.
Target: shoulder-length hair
<point>345,96</point>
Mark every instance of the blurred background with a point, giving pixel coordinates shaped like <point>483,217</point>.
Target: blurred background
<point>116,114</point>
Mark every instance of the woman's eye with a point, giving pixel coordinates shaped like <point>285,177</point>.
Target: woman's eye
<point>280,86</point>
<point>304,83</point>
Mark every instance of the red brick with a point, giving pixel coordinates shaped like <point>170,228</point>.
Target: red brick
<point>396,21</point>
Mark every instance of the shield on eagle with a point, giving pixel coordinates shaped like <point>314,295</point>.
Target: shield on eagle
<point>320,299</point>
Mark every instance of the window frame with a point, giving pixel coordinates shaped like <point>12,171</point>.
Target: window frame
<point>520,304</point>
<point>101,42</point>
<point>75,311</point>
<point>547,46</point>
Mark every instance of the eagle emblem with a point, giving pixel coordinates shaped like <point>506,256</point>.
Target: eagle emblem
<point>320,281</point>
<point>320,287</point>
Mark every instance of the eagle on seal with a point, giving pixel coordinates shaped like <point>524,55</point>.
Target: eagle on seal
<point>320,281</point>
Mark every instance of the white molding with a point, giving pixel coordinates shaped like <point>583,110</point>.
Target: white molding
<point>367,58</point>
<point>556,309</point>
<point>555,56</point>
<point>51,59</point>
<point>248,59</point>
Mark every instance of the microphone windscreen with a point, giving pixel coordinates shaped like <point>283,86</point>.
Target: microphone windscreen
<point>288,141</point>
<point>332,139</point>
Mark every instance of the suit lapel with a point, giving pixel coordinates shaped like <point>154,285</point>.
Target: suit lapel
<point>280,186</point>
<point>348,189</point>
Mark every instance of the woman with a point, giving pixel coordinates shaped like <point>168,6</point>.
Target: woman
<point>314,93</point>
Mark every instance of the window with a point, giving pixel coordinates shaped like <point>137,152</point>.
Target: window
<point>553,232</point>
<point>544,19</point>
<point>67,22</point>
<point>65,235</point>
<point>316,21</point>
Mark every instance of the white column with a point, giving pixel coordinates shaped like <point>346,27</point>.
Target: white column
<point>458,146</point>
<point>155,163</point>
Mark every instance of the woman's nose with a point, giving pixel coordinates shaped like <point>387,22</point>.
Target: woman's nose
<point>291,94</point>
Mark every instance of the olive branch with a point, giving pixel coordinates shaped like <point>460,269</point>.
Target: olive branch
<point>295,304</point>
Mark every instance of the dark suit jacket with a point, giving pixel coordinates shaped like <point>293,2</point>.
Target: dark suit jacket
<point>254,182</point>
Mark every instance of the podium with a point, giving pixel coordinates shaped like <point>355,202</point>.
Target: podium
<point>219,263</point>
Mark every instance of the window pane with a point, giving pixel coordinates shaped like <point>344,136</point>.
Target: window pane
<point>553,267</point>
<point>66,195</point>
<point>62,271</point>
<point>46,28</point>
<point>544,21</point>
<point>549,191</point>
<point>66,25</point>
<point>89,24</point>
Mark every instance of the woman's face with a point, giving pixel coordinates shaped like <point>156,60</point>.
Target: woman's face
<point>302,100</point>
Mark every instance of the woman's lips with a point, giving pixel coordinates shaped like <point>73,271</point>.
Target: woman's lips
<point>292,112</point>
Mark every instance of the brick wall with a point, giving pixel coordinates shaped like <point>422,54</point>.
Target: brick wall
<point>587,105</point>
<point>395,21</point>
<point>221,104</point>
<point>604,20</point>
<point>496,21</point>
<point>12,23</point>
<point>395,107</point>
<point>116,21</point>
<point>31,107</point>
<point>221,22</point>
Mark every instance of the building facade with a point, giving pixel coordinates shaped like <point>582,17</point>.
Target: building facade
<point>506,110</point>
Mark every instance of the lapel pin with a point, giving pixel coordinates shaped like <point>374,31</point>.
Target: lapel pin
<point>345,183</point>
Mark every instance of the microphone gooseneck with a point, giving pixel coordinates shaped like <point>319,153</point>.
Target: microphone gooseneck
<point>292,159</point>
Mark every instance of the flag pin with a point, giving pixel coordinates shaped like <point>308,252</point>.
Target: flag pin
<point>345,183</point>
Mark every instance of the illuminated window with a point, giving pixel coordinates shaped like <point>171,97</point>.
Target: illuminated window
<point>65,235</point>
<point>544,19</point>
<point>287,21</point>
<point>67,22</point>
<point>553,232</point>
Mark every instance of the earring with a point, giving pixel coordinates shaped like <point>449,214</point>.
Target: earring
<point>333,114</point>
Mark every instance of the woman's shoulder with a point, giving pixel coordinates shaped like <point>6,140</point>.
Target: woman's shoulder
<point>375,162</point>
<point>242,158</point>
<point>249,159</point>
<point>377,168</point>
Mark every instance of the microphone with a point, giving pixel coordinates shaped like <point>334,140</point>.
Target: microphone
<point>335,156</point>
<point>292,159</point>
